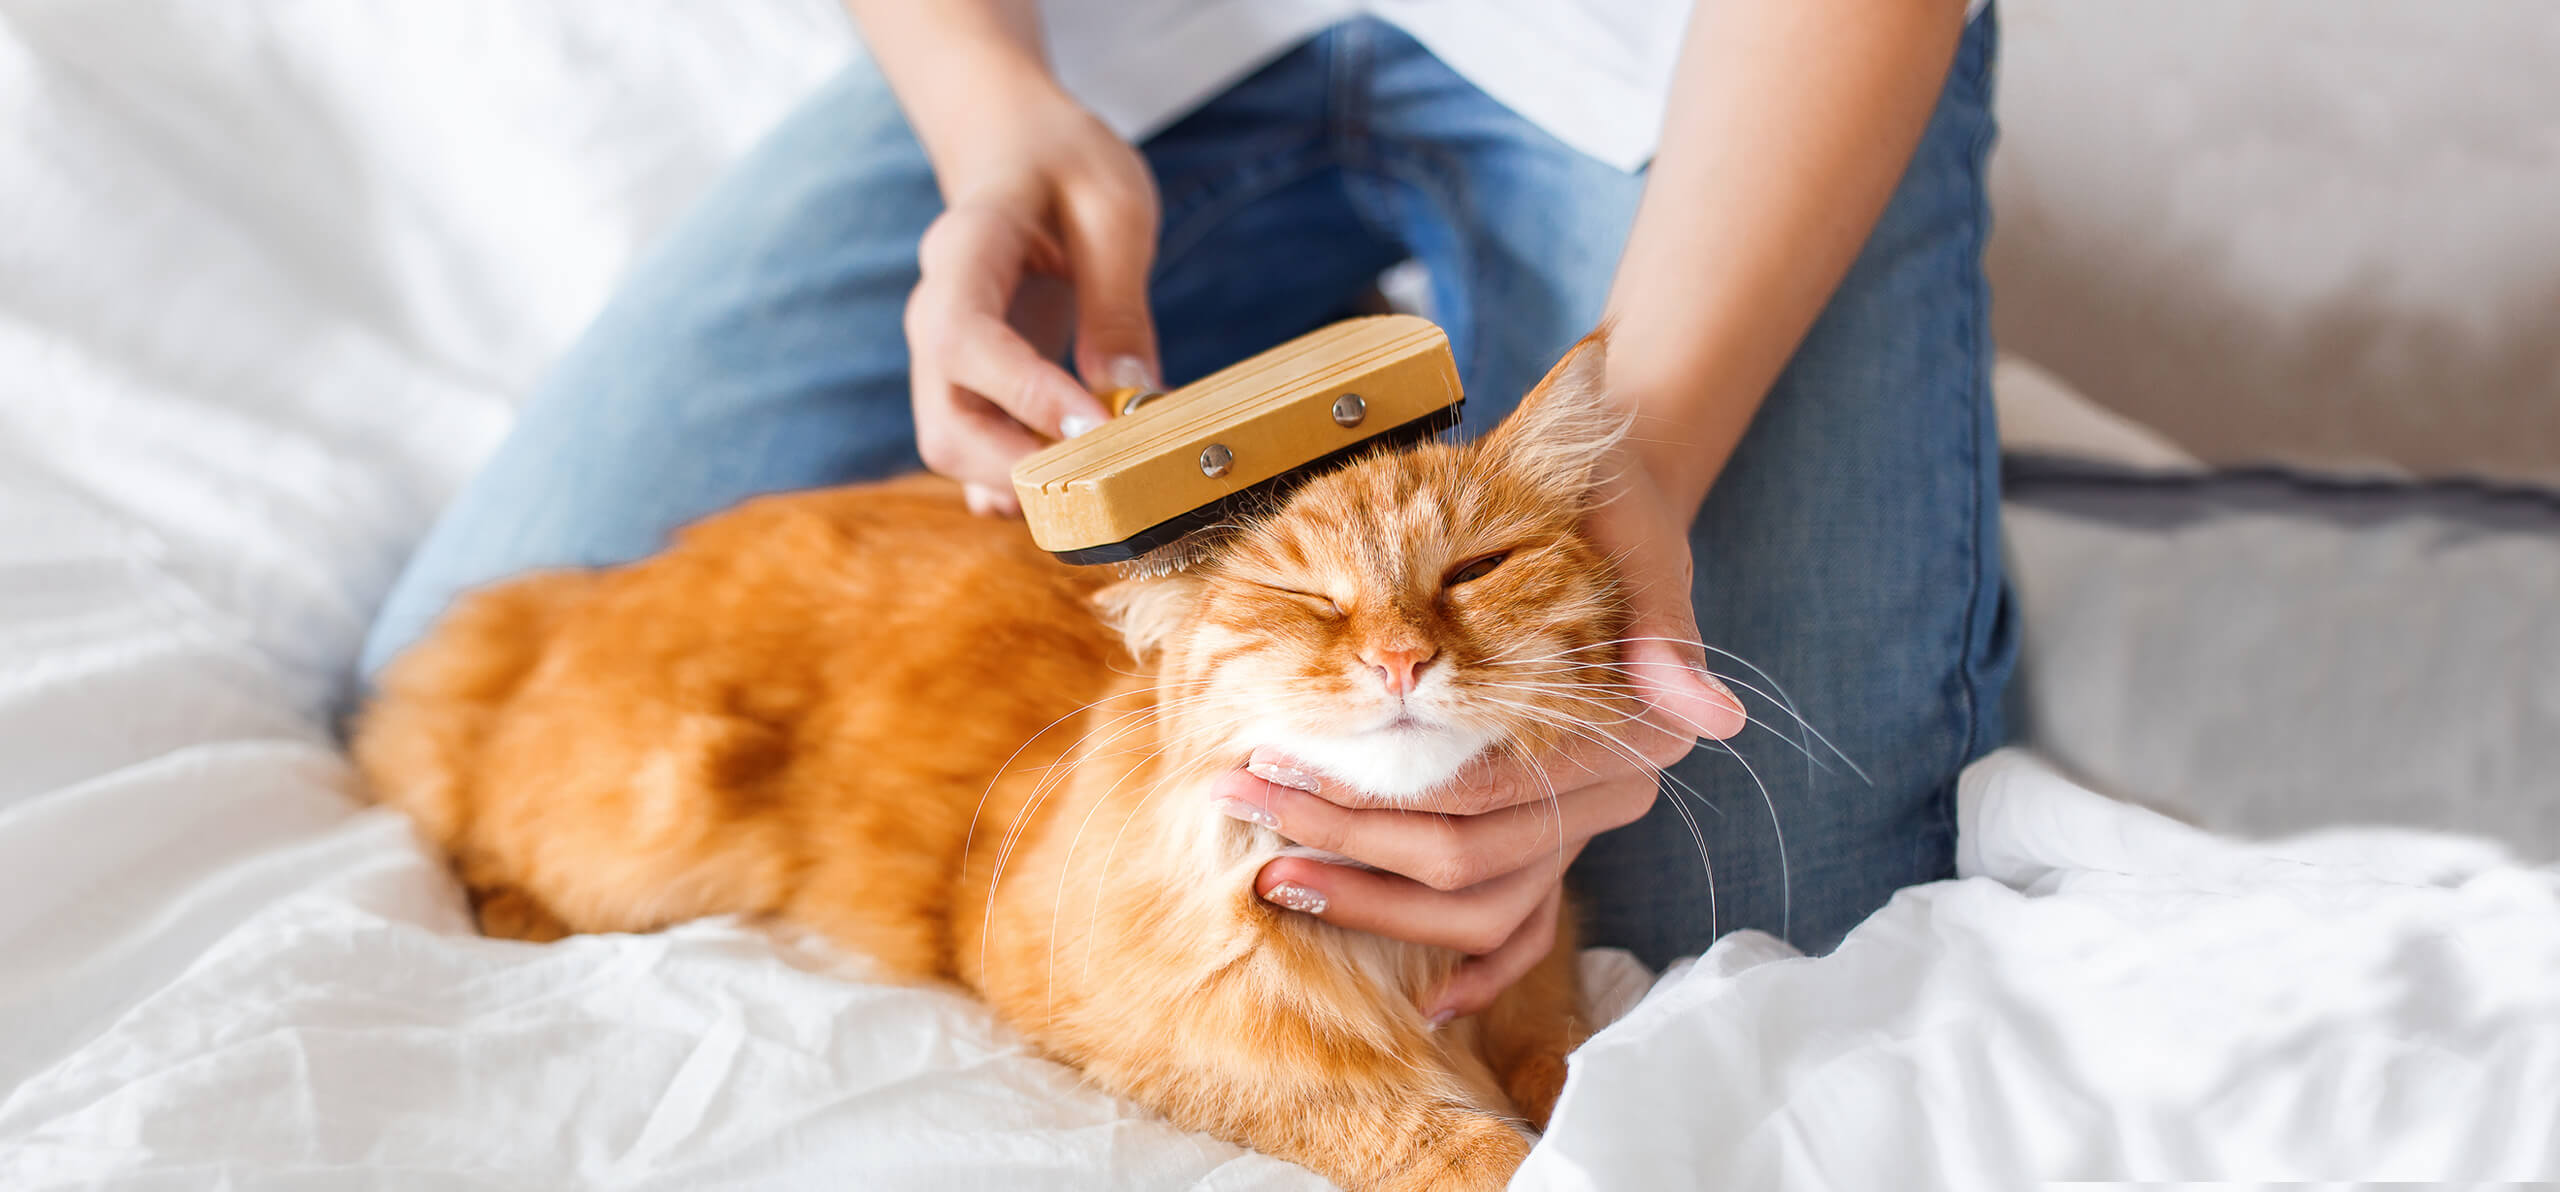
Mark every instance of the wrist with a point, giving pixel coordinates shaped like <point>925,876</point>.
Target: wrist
<point>965,74</point>
<point>1690,402</point>
<point>1676,469</point>
<point>979,123</point>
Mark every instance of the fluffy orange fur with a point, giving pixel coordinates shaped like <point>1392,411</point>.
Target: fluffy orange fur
<point>865,711</point>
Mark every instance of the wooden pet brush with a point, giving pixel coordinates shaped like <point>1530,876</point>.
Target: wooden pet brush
<point>1141,489</point>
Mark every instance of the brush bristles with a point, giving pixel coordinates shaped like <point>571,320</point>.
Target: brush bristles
<point>1181,554</point>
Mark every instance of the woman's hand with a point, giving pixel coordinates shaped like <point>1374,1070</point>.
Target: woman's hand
<point>1478,865</point>
<point>1045,207</point>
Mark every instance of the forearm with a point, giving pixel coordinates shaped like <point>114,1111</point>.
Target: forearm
<point>1788,126</point>
<point>952,63</point>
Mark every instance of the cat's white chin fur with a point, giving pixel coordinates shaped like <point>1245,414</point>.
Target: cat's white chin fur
<point>1388,764</point>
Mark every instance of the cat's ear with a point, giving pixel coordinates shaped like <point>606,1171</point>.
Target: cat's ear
<point>1149,612</point>
<point>1565,426</point>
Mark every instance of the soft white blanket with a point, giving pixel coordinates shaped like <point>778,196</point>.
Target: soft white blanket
<point>272,272</point>
<point>2106,994</point>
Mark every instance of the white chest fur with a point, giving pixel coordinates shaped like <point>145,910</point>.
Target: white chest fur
<point>1389,764</point>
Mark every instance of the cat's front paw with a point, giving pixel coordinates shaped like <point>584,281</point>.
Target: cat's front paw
<point>1474,1151</point>
<point>1533,1084</point>
<point>507,913</point>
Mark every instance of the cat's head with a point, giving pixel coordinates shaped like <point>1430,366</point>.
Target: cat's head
<point>1397,616</point>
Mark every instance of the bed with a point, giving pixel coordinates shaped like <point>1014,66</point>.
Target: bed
<point>276,270</point>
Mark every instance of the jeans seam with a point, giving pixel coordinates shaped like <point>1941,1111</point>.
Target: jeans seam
<point>1424,178</point>
<point>1420,166</point>
<point>1354,142</point>
<point>1348,54</point>
<point>1196,188</point>
<point>1974,348</point>
<point>1204,204</point>
<point>1185,230</point>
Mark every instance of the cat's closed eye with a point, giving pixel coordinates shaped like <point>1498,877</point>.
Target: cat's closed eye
<point>1476,568</point>
<point>1322,603</point>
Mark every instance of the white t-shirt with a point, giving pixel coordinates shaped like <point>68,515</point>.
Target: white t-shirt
<point>1592,73</point>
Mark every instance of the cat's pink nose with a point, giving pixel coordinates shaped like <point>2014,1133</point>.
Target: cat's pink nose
<point>1399,667</point>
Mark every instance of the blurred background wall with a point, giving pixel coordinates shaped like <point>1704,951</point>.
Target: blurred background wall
<point>2318,232</point>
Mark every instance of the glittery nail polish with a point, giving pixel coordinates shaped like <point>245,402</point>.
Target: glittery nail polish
<point>1250,813</point>
<point>1295,897</point>
<point>1716,685</point>
<point>1129,372</point>
<point>1279,775</point>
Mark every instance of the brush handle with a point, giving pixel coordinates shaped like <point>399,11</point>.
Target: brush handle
<point>1196,447</point>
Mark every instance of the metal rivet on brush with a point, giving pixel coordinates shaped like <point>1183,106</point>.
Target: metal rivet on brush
<point>1216,460</point>
<point>1348,410</point>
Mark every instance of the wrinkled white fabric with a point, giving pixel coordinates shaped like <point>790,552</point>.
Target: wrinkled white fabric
<point>2107,994</point>
<point>274,272</point>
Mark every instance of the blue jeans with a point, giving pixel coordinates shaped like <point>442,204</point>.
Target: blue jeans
<point>1849,550</point>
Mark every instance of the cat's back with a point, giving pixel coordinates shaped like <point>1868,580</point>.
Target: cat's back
<point>776,665</point>
<point>891,602</point>
<point>899,570</point>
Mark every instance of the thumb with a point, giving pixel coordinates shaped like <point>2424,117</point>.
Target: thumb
<point>1111,247</point>
<point>1672,676</point>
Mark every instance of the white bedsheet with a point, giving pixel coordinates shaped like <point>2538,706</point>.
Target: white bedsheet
<point>2106,994</point>
<point>271,273</point>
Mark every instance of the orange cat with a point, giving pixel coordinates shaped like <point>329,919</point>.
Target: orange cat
<point>868,712</point>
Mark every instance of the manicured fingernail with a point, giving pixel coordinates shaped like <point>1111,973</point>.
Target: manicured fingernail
<point>1296,897</point>
<point>1076,424</point>
<point>979,498</point>
<point>1129,372</point>
<point>1717,685</point>
<point>1249,813</point>
<point>1442,1018</point>
<point>1279,775</point>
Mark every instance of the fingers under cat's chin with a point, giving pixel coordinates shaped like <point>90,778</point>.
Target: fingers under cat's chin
<point>1689,700</point>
